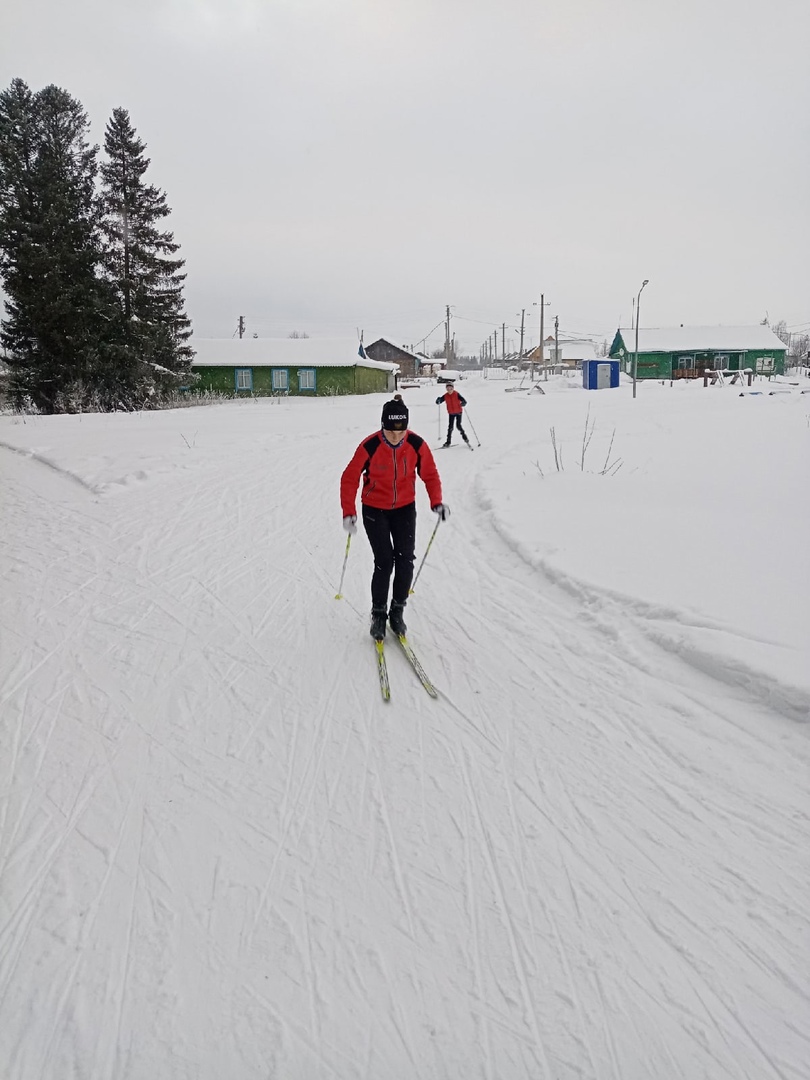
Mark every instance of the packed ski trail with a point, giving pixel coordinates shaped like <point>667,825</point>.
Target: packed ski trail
<point>221,854</point>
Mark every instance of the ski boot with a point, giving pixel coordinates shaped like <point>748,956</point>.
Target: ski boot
<point>396,620</point>
<point>377,628</point>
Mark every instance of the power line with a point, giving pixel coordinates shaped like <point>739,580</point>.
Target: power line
<point>483,322</point>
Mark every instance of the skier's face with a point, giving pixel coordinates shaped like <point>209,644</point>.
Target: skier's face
<point>394,437</point>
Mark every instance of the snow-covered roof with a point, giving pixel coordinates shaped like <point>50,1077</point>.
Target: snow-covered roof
<point>419,357</point>
<point>578,350</point>
<point>282,352</point>
<point>570,349</point>
<point>700,338</point>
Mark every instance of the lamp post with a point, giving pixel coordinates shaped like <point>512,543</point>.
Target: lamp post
<point>635,354</point>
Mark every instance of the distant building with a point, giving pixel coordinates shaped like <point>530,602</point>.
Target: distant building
<point>297,366</point>
<point>567,353</point>
<point>411,364</point>
<point>685,352</point>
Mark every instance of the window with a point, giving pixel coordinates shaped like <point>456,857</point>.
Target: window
<point>280,379</point>
<point>765,365</point>
<point>306,379</point>
<point>721,361</point>
<point>244,378</point>
<point>684,363</point>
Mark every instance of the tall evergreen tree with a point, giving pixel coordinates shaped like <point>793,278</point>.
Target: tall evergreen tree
<point>140,262</point>
<point>57,309</point>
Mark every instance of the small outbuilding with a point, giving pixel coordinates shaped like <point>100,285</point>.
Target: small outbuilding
<point>296,366</point>
<point>600,374</point>
<point>686,352</point>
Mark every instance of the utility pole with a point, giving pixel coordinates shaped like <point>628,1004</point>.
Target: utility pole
<point>542,330</point>
<point>522,321</point>
<point>241,326</point>
<point>556,339</point>
<point>503,343</point>
<point>447,336</point>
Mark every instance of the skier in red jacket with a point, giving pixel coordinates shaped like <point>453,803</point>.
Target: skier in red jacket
<point>389,462</point>
<point>455,403</point>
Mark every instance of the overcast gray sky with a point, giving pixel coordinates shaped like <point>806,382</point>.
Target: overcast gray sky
<point>342,164</point>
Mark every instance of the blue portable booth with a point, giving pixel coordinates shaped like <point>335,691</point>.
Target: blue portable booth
<point>600,374</point>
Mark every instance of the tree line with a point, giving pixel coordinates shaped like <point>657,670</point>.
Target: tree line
<point>93,286</point>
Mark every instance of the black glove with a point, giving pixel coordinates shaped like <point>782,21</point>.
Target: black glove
<point>442,510</point>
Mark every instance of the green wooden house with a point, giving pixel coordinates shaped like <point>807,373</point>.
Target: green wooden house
<point>686,352</point>
<point>300,366</point>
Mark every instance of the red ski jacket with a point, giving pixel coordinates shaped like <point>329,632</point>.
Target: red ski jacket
<point>389,474</point>
<point>453,400</point>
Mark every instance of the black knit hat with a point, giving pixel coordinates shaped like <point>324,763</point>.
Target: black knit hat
<point>395,415</point>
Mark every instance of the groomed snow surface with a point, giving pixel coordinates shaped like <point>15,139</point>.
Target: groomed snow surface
<point>223,857</point>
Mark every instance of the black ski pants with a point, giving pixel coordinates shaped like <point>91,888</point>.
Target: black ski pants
<point>455,417</point>
<point>392,535</point>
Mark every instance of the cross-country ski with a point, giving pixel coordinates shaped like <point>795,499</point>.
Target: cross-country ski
<point>382,670</point>
<point>415,663</point>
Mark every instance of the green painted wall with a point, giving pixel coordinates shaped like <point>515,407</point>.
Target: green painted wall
<point>755,357</point>
<point>660,365</point>
<point>369,381</point>
<point>328,381</point>
<point>650,365</point>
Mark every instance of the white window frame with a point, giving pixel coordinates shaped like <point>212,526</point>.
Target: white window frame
<point>243,378</point>
<point>280,379</point>
<point>307,379</point>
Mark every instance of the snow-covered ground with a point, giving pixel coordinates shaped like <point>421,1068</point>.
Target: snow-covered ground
<point>223,856</point>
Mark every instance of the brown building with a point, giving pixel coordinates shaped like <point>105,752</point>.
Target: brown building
<point>410,365</point>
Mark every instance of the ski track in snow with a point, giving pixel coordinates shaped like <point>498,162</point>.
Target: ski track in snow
<point>222,855</point>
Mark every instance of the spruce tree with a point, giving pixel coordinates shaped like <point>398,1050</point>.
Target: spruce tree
<point>57,308</point>
<point>140,263</point>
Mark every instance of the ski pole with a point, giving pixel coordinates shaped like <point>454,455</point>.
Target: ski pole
<point>427,549</point>
<point>475,433</point>
<point>339,593</point>
<point>439,419</point>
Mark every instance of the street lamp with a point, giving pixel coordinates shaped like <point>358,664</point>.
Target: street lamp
<point>635,355</point>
